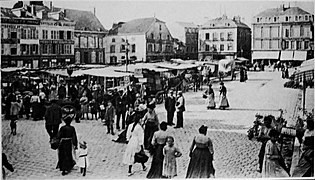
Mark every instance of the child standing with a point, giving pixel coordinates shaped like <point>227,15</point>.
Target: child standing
<point>170,152</point>
<point>83,161</point>
<point>93,106</point>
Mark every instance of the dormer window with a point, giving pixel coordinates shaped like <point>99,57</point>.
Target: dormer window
<point>113,40</point>
<point>274,19</point>
<point>257,19</point>
<point>306,18</point>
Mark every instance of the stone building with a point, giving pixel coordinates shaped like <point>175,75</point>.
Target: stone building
<point>284,33</point>
<point>224,38</point>
<point>19,38</point>
<point>187,35</point>
<point>143,40</point>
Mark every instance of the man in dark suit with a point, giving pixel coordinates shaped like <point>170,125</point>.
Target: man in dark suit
<point>170,107</point>
<point>121,109</point>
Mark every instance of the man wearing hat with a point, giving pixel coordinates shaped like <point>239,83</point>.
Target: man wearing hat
<point>53,118</point>
<point>180,108</point>
<point>170,107</point>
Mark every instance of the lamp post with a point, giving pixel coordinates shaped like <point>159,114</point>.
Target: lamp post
<point>127,50</point>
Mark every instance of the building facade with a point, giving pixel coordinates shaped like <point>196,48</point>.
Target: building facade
<point>224,38</point>
<point>143,40</point>
<point>186,46</point>
<point>19,39</point>
<point>284,34</point>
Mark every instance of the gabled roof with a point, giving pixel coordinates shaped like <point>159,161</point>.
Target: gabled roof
<point>6,12</point>
<point>84,20</point>
<point>137,26</point>
<point>281,12</point>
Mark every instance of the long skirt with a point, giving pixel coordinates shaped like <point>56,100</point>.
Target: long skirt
<point>150,128</point>
<point>36,110</point>
<point>272,169</point>
<point>210,101</point>
<point>224,103</point>
<point>65,156</point>
<point>200,164</point>
<point>305,167</point>
<point>156,169</point>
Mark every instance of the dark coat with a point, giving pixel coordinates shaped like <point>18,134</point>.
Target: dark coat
<point>53,115</point>
<point>121,102</point>
<point>170,104</point>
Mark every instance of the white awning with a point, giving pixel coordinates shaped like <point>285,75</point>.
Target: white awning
<point>63,72</point>
<point>105,72</point>
<point>286,56</point>
<point>265,55</point>
<point>300,55</point>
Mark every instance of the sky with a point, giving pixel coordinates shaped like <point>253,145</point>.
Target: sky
<point>198,12</point>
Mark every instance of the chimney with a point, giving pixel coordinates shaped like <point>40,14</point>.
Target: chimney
<point>94,11</point>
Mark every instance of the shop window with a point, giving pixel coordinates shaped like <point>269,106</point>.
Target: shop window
<point>150,48</point>
<point>306,44</point>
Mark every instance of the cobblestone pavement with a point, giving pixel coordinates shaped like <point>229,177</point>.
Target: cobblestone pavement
<point>235,155</point>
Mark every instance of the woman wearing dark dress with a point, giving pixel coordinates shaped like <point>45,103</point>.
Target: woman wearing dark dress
<point>201,156</point>
<point>68,142</point>
<point>158,141</point>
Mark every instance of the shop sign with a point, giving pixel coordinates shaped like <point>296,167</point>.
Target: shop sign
<point>56,41</point>
<point>20,21</point>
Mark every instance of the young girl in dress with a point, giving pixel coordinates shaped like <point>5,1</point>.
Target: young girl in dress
<point>83,161</point>
<point>170,153</point>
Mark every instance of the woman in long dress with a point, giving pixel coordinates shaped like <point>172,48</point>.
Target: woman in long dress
<point>135,138</point>
<point>84,101</point>
<point>201,156</point>
<point>68,142</point>
<point>209,94</point>
<point>305,167</point>
<point>151,122</point>
<point>272,161</point>
<point>158,141</point>
<point>224,103</point>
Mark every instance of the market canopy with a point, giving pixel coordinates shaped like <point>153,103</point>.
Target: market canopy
<point>300,55</point>
<point>177,66</point>
<point>241,59</point>
<point>286,56</point>
<point>265,55</point>
<point>12,69</point>
<point>63,72</point>
<point>105,72</point>
<point>307,69</point>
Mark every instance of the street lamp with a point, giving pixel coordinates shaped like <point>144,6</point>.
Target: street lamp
<point>127,50</point>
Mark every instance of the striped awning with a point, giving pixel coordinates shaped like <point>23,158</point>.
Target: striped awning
<point>265,55</point>
<point>307,69</point>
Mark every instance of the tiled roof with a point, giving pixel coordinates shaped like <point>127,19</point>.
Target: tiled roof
<point>219,22</point>
<point>137,26</point>
<point>84,20</point>
<point>280,12</point>
<point>6,12</point>
<point>188,24</point>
